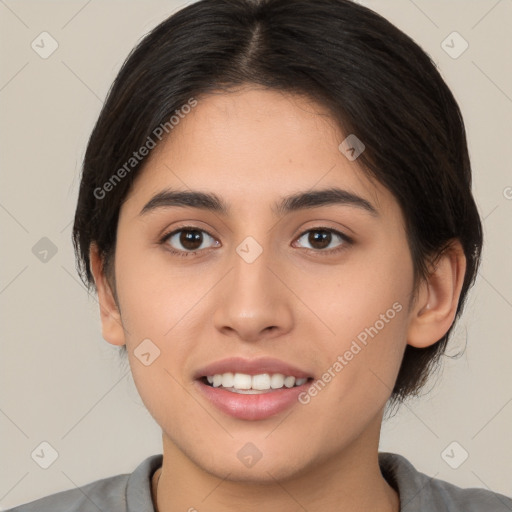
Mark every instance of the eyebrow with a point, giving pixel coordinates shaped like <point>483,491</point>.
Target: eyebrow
<point>294,202</point>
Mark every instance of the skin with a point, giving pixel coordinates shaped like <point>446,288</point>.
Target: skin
<point>251,147</point>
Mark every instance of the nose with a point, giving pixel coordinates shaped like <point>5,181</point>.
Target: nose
<point>255,301</point>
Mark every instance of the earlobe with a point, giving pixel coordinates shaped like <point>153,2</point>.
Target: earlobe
<point>112,327</point>
<point>438,298</point>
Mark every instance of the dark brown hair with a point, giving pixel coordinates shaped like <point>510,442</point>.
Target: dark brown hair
<point>376,81</point>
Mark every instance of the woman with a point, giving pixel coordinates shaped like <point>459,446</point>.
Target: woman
<point>276,214</point>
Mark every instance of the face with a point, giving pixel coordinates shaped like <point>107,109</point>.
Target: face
<point>318,292</point>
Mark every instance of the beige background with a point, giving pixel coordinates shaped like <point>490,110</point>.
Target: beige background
<point>62,383</point>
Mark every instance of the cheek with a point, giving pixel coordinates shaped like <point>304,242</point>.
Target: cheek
<point>156,294</point>
<point>353,296</point>
<point>157,304</point>
<point>365,306</point>
<point>162,302</point>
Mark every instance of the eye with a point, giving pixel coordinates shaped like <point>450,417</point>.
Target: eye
<point>321,237</point>
<point>190,239</point>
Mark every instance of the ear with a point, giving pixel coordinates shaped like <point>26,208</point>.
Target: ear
<point>111,324</point>
<point>438,297</point>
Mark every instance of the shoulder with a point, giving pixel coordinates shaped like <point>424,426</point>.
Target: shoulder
<point>105,494</point>
<point>120,493</point>
<point>420,492</point>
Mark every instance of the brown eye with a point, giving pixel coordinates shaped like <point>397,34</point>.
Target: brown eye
<point>187,239</point>
<point>321,238</point>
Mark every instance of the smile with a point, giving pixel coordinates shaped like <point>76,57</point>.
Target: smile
<point>252,404</point>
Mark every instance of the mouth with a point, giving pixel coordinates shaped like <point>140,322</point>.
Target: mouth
<point>251,390</point>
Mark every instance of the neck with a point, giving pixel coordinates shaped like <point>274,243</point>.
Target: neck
<point>348,481</point>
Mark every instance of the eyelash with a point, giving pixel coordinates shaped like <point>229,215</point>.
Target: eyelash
<point>346,240</point>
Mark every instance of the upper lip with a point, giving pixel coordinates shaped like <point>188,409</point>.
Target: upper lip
<point>251,367</point>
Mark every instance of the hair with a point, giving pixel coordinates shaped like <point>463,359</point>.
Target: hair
<point>375,81</point>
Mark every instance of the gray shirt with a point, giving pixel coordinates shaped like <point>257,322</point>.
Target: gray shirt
<point>132,492</point>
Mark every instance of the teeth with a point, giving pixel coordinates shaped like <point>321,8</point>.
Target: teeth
<point>289,382</point>
<point>248,383</point>
<point>261,381</point>
<point>277,381</point>
<point>228,379</point>
<point>241,381</point>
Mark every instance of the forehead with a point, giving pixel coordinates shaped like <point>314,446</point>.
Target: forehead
<point>254,145</point>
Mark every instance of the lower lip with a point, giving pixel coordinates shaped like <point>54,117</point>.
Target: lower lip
<point>252,407</point>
